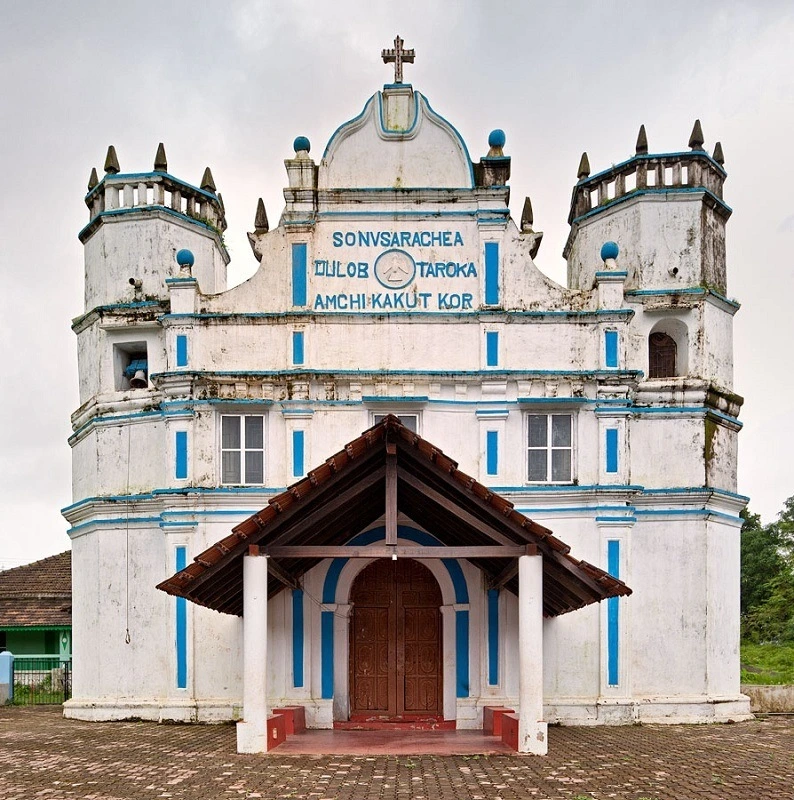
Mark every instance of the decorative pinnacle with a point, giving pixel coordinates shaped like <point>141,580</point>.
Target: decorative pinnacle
<point>696,137</point>
<point>160,161</point>
<point>719,157</point>
<point>398,56</point>
<point>584,167</point>
<point>207,184</point>
<point>111,162</point>
<point>642,142</point>
<point>527,217</point>
<point>93,180</point>
<point>261,224</point>
<point>220,203</point>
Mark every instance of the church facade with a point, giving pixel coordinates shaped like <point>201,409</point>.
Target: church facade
<point>398,294</point>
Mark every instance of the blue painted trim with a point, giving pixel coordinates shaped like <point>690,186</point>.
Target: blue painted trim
<point>181,625</point>
<point>389,133</point>
<point>693,291</point>
<point>462,653</point>
<point>616,519</point>
<point>491,349</point>
<point>405,532</point>
<point>471,373</point>
<point>180,446</point>
<point>297,638</point>
<point>491,273</point>
<point>118,212</point>
<point>684,155</point>
<point>297,348</point>
<point>664,190</point>
<point>497,413</point>
<point>492,452</point>
<point>495,214</point>
<point>347,124</point>
<point>611,349</point>
<point>486,315</point>
<point>417,398</point>
<point>686,512</point>
<point>611,273</point>
<point>181,350</point>
<point>327,654</point>
<point>493,637</point>
<point>299,273</point>
<point>298,440</point>
<point>180,281</point>
<point>613,611</point>
<point>612,450</point>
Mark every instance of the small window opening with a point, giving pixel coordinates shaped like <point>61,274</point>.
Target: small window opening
<point>130,366</point>
<point>661,356</point>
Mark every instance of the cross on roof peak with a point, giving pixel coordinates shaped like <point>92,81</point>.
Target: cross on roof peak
<point>398,56</point>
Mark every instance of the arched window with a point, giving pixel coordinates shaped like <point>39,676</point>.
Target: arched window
<point>661,356</point>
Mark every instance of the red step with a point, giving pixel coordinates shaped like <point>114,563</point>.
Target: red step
<point>407,722</point>
<point>492,719</point>
<point>294,718</point>
<point>276,731</point>
<point>510,730</point>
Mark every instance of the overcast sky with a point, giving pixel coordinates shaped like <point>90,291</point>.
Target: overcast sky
<point>230,85</point>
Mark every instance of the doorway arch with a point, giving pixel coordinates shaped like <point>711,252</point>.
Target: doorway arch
<point>395,650</point>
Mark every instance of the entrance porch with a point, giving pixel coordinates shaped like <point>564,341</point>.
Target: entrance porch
<point>394,620</point>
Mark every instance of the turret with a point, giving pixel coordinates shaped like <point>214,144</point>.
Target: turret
<point>137,223</point>
<point>665,211</point>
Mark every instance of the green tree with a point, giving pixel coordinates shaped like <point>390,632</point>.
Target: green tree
<point>767,583</point>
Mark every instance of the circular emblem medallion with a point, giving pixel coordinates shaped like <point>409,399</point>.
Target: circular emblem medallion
<point>395,269</point>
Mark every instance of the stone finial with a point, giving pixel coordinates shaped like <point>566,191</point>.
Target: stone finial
<point>496,143</point>
<point>220,203</point>
<point>207,184</point>
<point>641,148</point>
<point>160,161</point>
<point>719,156</point>
<point>302,146</point>
<point>527,217</point>
<point>696,137</point>
<point>93,180</point>
<point>185,259</point>
<point>261,224</point>
<point>584,167</point>
<point>112,162</point>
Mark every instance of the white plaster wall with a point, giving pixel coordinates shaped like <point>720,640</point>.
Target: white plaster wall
<point>144,246</point>
<point>677,442</point>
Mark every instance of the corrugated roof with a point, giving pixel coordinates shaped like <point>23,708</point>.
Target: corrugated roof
<point>346,494</point>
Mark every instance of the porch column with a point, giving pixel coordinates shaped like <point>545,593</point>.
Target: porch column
<point>252,731</point>
<point>532,731</point>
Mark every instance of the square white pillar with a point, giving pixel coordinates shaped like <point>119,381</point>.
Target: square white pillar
<point>252,731</point>
<point>532,731</point>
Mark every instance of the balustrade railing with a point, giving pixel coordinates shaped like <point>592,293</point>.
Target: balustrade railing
<point>692,170</point>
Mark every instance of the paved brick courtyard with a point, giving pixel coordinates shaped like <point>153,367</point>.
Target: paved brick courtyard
<point>44,756</point>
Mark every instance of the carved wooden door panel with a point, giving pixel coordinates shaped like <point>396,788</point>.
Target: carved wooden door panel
<point>395,640</point>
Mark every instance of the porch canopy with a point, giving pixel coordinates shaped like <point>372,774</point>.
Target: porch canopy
<point>386,470</point>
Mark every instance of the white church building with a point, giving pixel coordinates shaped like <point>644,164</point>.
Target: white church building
<point>400,474</point>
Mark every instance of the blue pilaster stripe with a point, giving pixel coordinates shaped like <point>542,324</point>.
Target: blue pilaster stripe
<point>491,273</point>
<point>612,449</point>
<point>181,350</point>
<point>181,625</point>
<point>462,653</point>
<point>611,349</point>
<point>299,276</point>
<point>297,637</point>
<point>180,443</point>
<point>613,610</point>
<point>491,349</point>
<point>298,440</point>
<point>297,348</point>
<point>327,654</point>
<point>493,637</point>
<point>492,452</point>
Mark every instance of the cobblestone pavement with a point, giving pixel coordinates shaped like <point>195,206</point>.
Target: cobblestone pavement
<point>43,755</point>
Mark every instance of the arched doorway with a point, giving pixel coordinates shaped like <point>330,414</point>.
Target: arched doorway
<point>395,641</point>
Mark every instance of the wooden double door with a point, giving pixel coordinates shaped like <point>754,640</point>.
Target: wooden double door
<point>395,641</point>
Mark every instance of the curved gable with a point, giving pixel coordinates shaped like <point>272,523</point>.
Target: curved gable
<point>399,142</point>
